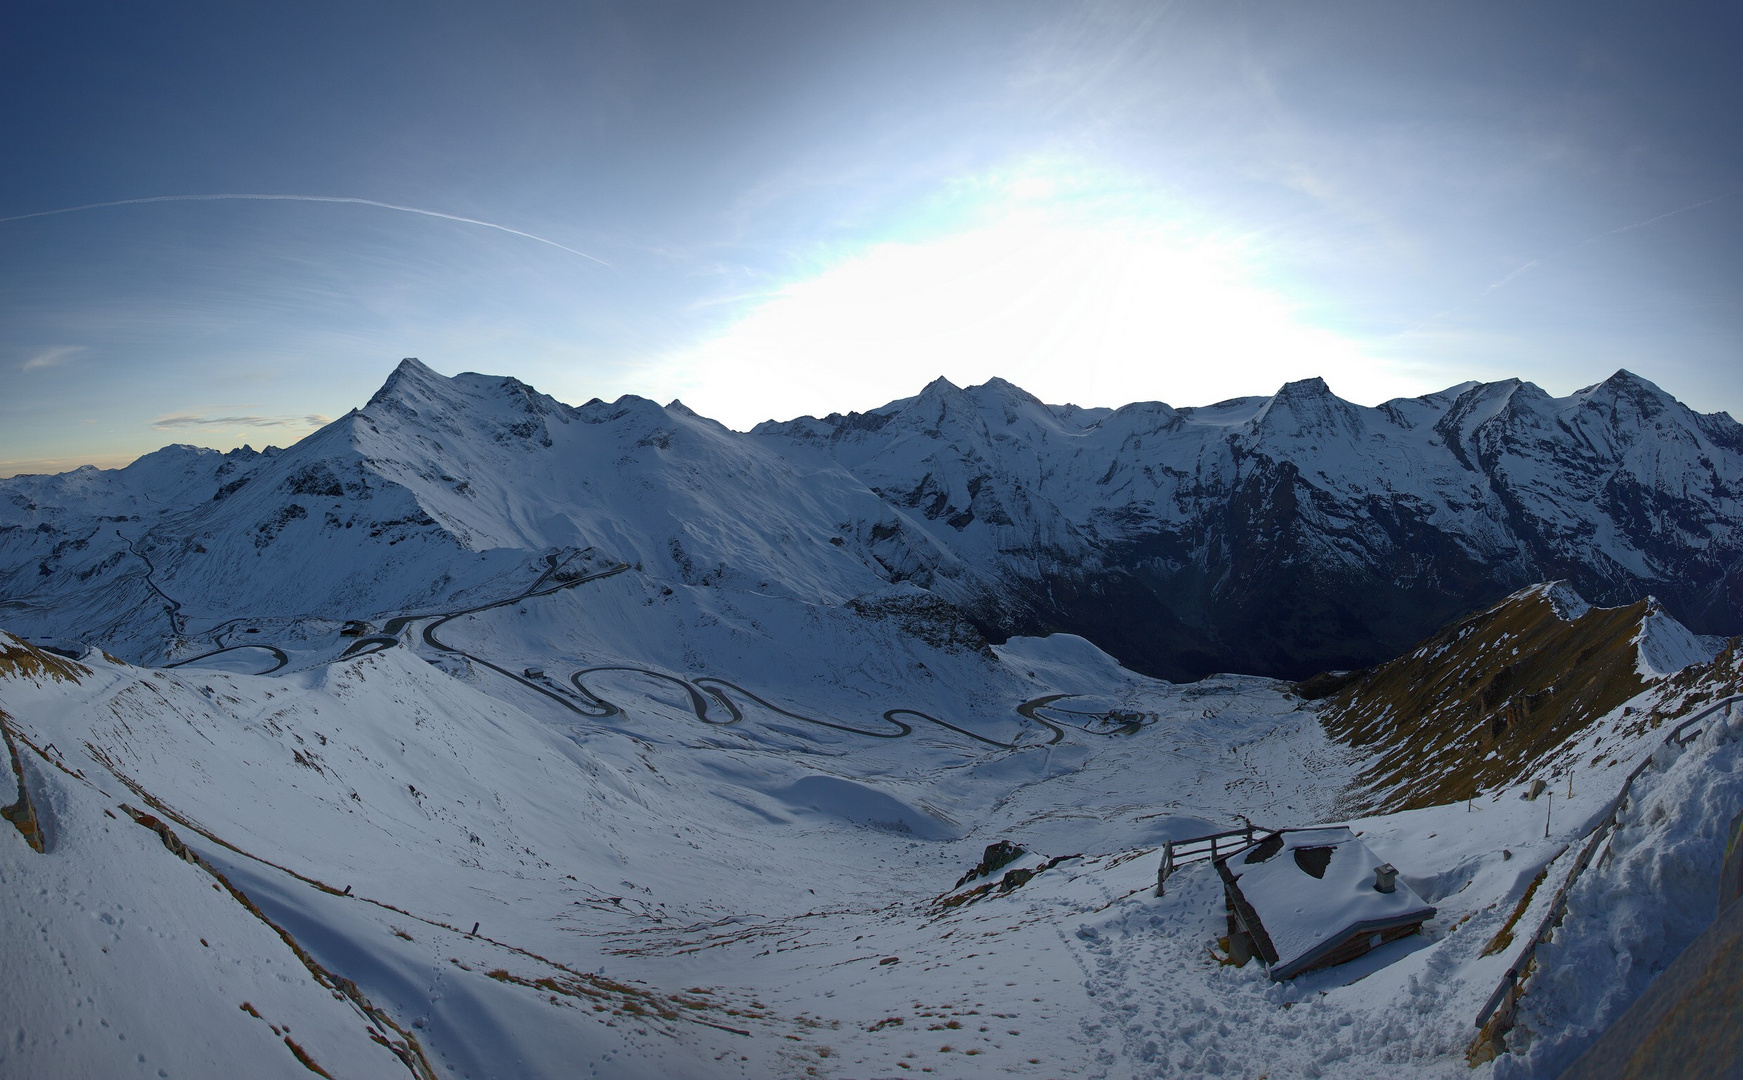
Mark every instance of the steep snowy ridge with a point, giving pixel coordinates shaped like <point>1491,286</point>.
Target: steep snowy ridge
<point>501,466</point>
<point>1650,893</point>
<point>1666,646</point>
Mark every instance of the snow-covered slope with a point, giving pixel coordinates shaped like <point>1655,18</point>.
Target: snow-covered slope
<point>1652,889</point>
<point>741,869</point>
<point>657,892</point>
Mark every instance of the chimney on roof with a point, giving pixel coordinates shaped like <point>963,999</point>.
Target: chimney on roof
<point>1385,878</point>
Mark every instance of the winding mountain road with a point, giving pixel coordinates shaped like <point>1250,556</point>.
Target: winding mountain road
<point>277,653</point>
<point>703,692</point>
<point>1128,727</point>
<point>707,694</point>
<point>707,688</point>
<point>174,607</point>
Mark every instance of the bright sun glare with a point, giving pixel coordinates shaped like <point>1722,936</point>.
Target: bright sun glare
<point>1062,296</point>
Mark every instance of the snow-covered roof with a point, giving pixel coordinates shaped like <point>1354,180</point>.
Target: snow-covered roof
<point>1312,889</point>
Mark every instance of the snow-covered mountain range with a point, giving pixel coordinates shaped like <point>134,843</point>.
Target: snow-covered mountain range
<point>663,745</point>
<point>1277,535</point>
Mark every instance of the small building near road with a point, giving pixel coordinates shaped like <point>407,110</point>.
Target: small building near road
<point>354,628</point>
<point>1311,898</point>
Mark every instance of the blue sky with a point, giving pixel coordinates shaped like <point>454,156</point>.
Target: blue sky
<point>772,209</point>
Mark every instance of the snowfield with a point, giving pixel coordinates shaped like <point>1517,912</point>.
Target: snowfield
<point>661,894</point>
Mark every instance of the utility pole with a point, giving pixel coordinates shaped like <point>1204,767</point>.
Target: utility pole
<point>1549,810</point>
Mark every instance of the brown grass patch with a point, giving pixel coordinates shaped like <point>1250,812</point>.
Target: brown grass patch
<point>307,1061</point>
<point>20,659</point>
<point>1504,936</point>
<point>1481,702</point>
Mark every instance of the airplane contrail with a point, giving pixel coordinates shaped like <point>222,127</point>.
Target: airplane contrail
<point>1660,217</point>
<point>303,198</point>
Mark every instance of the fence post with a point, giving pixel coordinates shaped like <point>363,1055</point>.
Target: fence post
<point>1166,867</point>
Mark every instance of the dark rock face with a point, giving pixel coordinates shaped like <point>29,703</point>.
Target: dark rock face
<point>995,857</point>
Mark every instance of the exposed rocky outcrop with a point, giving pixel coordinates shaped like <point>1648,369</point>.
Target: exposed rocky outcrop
<point>996,857</point>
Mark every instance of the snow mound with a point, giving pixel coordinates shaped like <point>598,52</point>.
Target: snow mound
<point>1639,905</point>
<point>1666,646</point>
<point>863,804</point>
<point>1569,605</point>
<point>1066,661</point>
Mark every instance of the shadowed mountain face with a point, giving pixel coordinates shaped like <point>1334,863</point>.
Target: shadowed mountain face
<point>1273,535</point>
<point>1299,532</point>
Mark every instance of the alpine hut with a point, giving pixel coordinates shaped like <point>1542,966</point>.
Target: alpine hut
<point>1311,898</point>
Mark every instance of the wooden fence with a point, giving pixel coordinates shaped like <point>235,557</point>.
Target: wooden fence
<point>1177,853</point>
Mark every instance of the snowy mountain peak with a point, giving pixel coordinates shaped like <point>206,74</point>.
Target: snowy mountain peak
<point>677,408</point>
<point>597,411</point>
<point>1314,387</point>
<point>1625,403</point>
<point>1006,392</point>
<point>1568,604</point>
<point>1308,408</point>
<point>1626,383</point>
<point>411,379</point>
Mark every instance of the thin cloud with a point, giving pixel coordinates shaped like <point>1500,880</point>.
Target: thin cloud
<point>51,466</point>
<point>187,420</point>
<point>48,358</point>
<point>234,196</point>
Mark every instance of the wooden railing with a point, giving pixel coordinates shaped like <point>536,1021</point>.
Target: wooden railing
<point>1502,1005</point>
<point>1177,853</point>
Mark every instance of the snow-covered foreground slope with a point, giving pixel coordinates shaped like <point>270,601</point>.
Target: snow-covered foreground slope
<point>1652,890</point>
<point>695,881</point>
<point>661,889</point>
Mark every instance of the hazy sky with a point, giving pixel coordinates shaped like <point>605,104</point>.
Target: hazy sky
<point>773,209</point>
